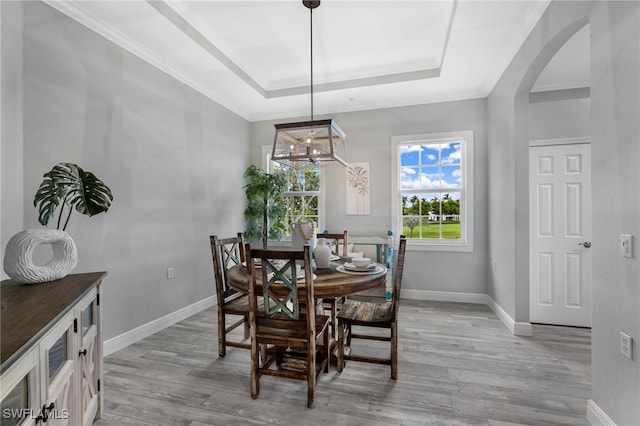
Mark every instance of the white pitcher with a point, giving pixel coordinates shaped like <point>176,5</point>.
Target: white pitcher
<point>303,232</point>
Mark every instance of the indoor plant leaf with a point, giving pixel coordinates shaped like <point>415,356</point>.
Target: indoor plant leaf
<point>75,188</point>
<point>48,198</point>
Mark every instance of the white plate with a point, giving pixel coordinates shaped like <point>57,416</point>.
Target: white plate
<point>334,257</point>
<point>378,269</point>
<point>352,267</point>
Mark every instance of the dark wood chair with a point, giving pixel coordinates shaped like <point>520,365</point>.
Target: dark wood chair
<point>228,252</point>
<point>336,241</point>
<point>298,338</point>
<point>376,314</point>
<point>338,244</point>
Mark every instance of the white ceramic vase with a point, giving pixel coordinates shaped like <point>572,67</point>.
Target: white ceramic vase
<point>18,256</point>
<point>322,254</point>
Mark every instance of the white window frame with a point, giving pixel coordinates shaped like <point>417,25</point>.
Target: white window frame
<point>267,166</point>
<point>465,242</point>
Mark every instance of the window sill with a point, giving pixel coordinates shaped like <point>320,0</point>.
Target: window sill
<point>417,245</point>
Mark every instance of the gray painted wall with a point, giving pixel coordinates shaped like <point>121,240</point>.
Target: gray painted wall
<point>173,159</point>
<point>369,136</point>
<point>615,150</point>
<point>11,182</point>
<point>615,133</point>
<point>560,119</point>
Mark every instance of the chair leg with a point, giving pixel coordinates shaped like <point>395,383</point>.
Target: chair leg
<point>327,349</point>
<point>334,320</point>
<point>222,342</point>
<point>263,353</point>
<point>255,377</point>
<point>394,350</point>
<point>311,376</point>
<point>246,326</point>
<point>340,363</point>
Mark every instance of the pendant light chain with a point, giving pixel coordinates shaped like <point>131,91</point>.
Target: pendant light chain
<point>309,143</point>
<point>311,40</point>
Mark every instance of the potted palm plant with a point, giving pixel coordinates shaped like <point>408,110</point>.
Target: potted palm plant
<point>266,210</point>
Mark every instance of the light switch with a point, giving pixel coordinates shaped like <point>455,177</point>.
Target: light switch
<point>626,245</point>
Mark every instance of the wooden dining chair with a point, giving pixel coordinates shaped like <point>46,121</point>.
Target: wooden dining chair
<point>228,252</point>
<point>337,242</point>
<point>298,337</point>
<point>339,247</point>
<point>376,314</point>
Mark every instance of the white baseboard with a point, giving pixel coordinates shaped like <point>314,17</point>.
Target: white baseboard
<point>596,416</point>
<point>516,328</point>
<point>446,296</point>
<point>125,339</point>
<point>524,329</point>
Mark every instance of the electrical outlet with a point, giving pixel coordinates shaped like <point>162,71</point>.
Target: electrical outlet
<point>626,245</point>
<point>169,273</point>
<point>626,345</point>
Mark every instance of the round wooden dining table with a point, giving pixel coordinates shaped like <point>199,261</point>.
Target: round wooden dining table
<point>329,282</point>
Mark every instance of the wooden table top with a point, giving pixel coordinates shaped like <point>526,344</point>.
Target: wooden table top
<point>328,284</point>
<point>29,310</point>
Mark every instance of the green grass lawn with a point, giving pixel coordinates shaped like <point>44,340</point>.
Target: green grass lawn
<point>449,230</point>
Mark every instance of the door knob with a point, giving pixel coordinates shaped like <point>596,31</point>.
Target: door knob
<point>586,244</point>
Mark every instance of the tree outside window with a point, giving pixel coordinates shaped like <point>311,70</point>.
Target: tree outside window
<point>302,194</point>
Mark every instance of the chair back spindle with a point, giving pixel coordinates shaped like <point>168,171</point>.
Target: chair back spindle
<point>397,276</point>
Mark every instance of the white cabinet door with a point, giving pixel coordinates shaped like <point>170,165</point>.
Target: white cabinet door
<point>19,396</point>
<point>90,355</point>
<point>560,234</point>
<point>57,352</point>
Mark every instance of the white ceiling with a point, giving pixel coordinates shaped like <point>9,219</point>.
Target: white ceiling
<point>253,57</point>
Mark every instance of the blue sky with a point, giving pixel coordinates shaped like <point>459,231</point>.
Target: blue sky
<point>432,166</point>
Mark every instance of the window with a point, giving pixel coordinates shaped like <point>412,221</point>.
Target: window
<point>433,184</point>
<point>304,189</point>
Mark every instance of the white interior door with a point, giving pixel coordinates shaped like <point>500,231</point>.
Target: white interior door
<point>560,234</point>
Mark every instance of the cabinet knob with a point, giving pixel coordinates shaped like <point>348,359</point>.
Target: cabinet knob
<point>83,352</point>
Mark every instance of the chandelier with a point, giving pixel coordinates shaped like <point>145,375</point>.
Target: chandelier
<point>314,143</point>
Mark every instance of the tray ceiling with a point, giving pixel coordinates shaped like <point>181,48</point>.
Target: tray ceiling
<point>253,57</point>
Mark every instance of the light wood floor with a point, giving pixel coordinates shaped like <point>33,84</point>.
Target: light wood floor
<point>458,365</point>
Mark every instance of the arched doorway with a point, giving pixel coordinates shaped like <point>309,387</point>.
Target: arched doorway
<point>560,188</point>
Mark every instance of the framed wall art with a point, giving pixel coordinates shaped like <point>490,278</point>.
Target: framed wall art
<point>358,189</point>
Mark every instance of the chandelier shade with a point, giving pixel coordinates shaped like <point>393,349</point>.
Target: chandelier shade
<point>309,144</point>
<point>314,143</point>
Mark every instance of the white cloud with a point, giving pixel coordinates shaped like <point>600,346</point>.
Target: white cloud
<point>454,156</point>
<point>405,149</point>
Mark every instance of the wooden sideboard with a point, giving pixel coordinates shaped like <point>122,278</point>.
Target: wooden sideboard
<point>51,351</point>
